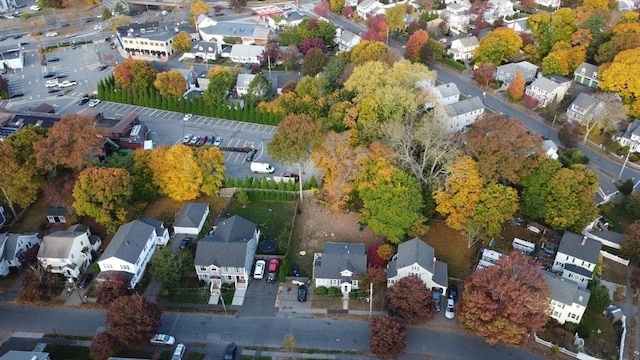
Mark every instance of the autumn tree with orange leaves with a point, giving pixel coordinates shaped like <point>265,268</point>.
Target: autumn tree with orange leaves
<point>137,75</point>
<point>505,303</point>
<point>387,337</point>
<point>176,172</point>
<point>415,45</point>
<point>170,83</point>
<point>515,90</point>
<point>411,300</point>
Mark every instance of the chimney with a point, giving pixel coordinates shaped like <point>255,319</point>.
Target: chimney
<point>434,263</point>
<point>584,240</point>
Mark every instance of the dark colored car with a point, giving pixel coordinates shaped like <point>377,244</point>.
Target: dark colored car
<point>452,292</point>
<point>437,297</point>
<point>49,75</point>
<point>53,59</point>
<point>184,243</point>
<point>84,100</point>
<point>210,140</point>
<point>85,280</point>
<point>250,155</point>
<point>53,90</point>
<point>17,36</point>
<point>202,140</point>
<point>16,95</point>
<point>230,353</point>
<point>295,271</point>
<point>3,38</point>
<point>103,67</point>
<point>65,25</point>
<point>60,76</point>
<point>302,293</point>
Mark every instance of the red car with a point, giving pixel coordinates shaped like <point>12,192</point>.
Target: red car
<point>202,140</point>
<point>274,264</point>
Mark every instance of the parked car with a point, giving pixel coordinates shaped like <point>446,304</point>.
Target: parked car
<point>178,353</point>
<point>3,38</point>
<point>17,36</point>
<point>51,83</point>
<point>185,243</point>
<point>302,293</point>
<point>230,353</point>
<point>452,292</point>
<point>53,59</point>
<point>94,102</point>
<point>210,140</point>
<point>48,75</point>
<point>60,76</point>
<point>51,34</point>
<point>290,175</point>
<point>187,138</point>
<point>16,95</point>
<point>258,272</point>
<point>194,140</point>
<point>35,8</point>
<point>53,90</point>
<point>68,83</point>
<point>84,100</point>
<point>202,140</point>
<point>450,312</point>
<point>84,280</point>
<point>187,117</point>
<point>274,264</point>
<point>295,271</point>
<point>250,155</point>
<point>162,339</point>
<point>102,67</point>
<point>218,141</point>
<point>437,297</point>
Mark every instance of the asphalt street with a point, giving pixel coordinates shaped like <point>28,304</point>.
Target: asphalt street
<point>325,334</point>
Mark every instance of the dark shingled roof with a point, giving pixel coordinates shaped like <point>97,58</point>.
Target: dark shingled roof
<point>191,214</point>
<point>129,241</point>
<point>572,245</point>
<point>338,257</point>
<point>228,245</point>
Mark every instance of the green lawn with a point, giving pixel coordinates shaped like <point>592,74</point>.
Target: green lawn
<point>187,291</point>
<point>600,333</point>
<point>272,217</point>
<point>67,352</point>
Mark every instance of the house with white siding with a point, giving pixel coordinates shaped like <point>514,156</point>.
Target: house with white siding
<point>587,74</point>
<point>568,300</point>
<point>583,107</point>
<point>630,137</point>
<point>417,258</point>
<point>11,247</point>
<point>191,218</point>
<point>463,48</point>
<point>246,54</point>
<point>576,258</point>
<point>346,40</point>
<point>340,265</point>
<point>507,72</point>
<point>462,114</point>
<point>66,252</point>
<point>548,90</point>
<point>457,16</point>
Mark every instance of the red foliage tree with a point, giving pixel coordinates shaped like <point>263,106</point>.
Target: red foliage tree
<point>312,43</point>
<point>103,346</point>
<point>570,134</point>
<point>112,287</point>
<point>635,278</point>
<point>372,255</point>
<point>484,73</point>
<point>377,29</point>
<point>387,337</point>
<point>59,192</point>
<point>530,102</point>
<point>39,285</point>
<point>289,87</point>
<point>133,319</point>
<point>271,53</point>
<point>313,62</point>
<point>505,303</point>
<point>322,8</point>
<point>347,12</point>
<point>29,256</point>
<point>415,44</point>
<point>375,275</point>
<point>411,300</point>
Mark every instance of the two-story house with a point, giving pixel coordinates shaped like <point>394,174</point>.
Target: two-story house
<point>587,74</point>
<point>227,255</point>
<point>552,4</point>
<point>346,40</point>
<point>463,48</point>
<point>204,50</point>
<point>576,258</point>
<point>146,39</point>
<point>368,8</point>
<point>507,72</point>
<point>547,90</point>
<point>457,16</point>
<point>630,137</point>
<point>242,84</point>
<point>11,247</point>
<point>290,19</point>
<point>447,93</point>
<point>162,233</point>
<point>66,252</point>
<point>499,9</point>
<point>246,54</point>
<point>232,32</point>
<point>583,108</point>
<point>568,301</point>
<point>340,265</point>
<point>417,258</point>
<point>462,114</point>
<point>129,251</point>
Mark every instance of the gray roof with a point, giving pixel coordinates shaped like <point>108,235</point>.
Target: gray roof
<point>11,245</point>
<point>338,257</point>
<point>157,224</point>
<point>632,129</point>
<point>441,274</point>
<point>586,69</point>
<point>57,211</point>
<point>57,245</point>
<point>469,41</point>
<point>549,145</point>
<point>609,235</point>
<point>545,84</point>
<point>528,69</point>
<point>191,214</point>
<point>78,227</point>
<point>584,101</point>
<point>204,46</point>
<point>149,30</point>
<point>448,89</point>
<point>129,241</point>
<point>232,28</point>
<point>578,270</point>
<point>243,50</point>
<point>415,251</point>
<point>228,244</point>
<point>245,79</point>
<point>24,355</point>
<point>466,106</point>
<point>565,291</point>
<point>572,245</point>
<point>347,36</point>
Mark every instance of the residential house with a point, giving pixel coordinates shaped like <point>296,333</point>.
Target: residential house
<point>66,252</point>
<point>583,108</point>
<point>576,258</point>
<point>447,93</point>
<point>227,255</point>
<point>162,233</point>
<point>287,19</point>
<point>550,149</point>
<point>339,265</point>
<point>457,16</point>
<point>57,215</point>
<point>346,40</point>
<point>607,189</point>
<point>499,9</point>
<point>242,84</point>
<point>25,355</point>
<point>462,114</point>
<point>488,258</point>
<point>146,39</point>
<point>246,54</point>
<point>607,237</point>
<point>369,8</point>
<point>191,218</point>
<point>231,32</point>
<point>587,74</point>
<point>548,90</point>
<point>94,240</point>
<point>552,4</point>
<point>568,300</point>
<point>630,137</point>
<point>11,247</point>
<point>129,251</point>
<point>463,48</point>
<point>417,258</point>
<point>204,50</point>
<point>519,25</point>
<point>507,72</point>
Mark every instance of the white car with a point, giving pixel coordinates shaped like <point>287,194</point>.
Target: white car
<point>187,138</point>
<point>187,117</point>
<point>51,83</point>
<point>162,339</point>
<point>97,27</point>
<point>178,353</point>
<point>35,7</point>
<point>94,102</point>
<point>68,83</point>
<point>217,141</point>
<point>258,273</point>
<point>450,312</point>
<point>51,34</point>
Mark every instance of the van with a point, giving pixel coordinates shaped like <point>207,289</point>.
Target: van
<point>179,352</point>
<point>261,168</point>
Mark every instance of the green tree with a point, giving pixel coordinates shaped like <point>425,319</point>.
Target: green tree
<point>313,62</point>
<point>259,90</point>
<point>599,299</point>
<point>336,5</point>
<point>536,189</point>
<point>144,189</point>
<point>133,319</point>
<point>497,204</point>
<point>563,24</point>
<point>168,267</point>
<point>104,194</point>
<point>571,205</point>
<point>182,41</point>
<point>221,80</point>
<point>498,46</point>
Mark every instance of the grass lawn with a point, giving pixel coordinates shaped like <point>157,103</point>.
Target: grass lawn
<point>187,291</point>
<point>272,217</point>
<point>616,216</point>
<point>67,352</point>
<point>451,247</point>
<point>614,272</point>
<point>227,293</point>
<point>608,337</point>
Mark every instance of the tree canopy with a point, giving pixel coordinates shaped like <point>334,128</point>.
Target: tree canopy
<point>170,83</point>
<point>176,172</point>
<point>221,80</point>
<point>621,77</point>
<point>411,300</point>
<point>133,319</point>
<point>168,267</point>
<point>498,46</point>
<point>387,337</point>
<point>137,75</point>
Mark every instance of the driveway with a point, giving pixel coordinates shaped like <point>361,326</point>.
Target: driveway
<point>288,300</point>
<point>259,299</point>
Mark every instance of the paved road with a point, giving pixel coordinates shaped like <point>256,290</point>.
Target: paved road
<point>325,334</point>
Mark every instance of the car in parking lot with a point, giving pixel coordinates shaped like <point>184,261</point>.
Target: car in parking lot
<point>450,311</point>
<point>51,83</point>
<point>187,117</point>
<point>187,138</point>
<point>68,83</point>
<point>162,339</point>
<point>218,141</point>
<point>51,34</point>
<point>53,90</point>
<point>16,95</point>
<point>84,280</point>
<point>3,38</point>
<point>302,293</point>
<point>102,67</point>
<point>210,140</point>
<point>295,271</point>
<point>94,102</point>
<point>48,75</point>
<point>258,272</point>
<point>84,100</point>
<point>185,243</point>
<point>230,353</point>
<point>202,140</point>
<point>35,8</point>
<point>291,175</point>
<point>194,140</point>
<point>274,264</point>
<point>250,155</point>
<point>60,76</point>
<point>178,353</point>
<point>53,59</point>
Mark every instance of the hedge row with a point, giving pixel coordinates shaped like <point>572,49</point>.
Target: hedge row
<point>109,91</point>
<point>268,184</point>
<point>272,195</point>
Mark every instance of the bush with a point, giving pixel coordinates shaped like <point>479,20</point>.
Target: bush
<point>334,291</point>
<point>634,157</point>
<point>357,294</point>
<point>320,290</point>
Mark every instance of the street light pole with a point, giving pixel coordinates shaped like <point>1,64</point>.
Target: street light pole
<point>624,165</point>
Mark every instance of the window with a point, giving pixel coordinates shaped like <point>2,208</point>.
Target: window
<point>334,282</point>
<point>124,267</point>
<point>108,266</point>
<point>71,256</point>
<point>203,268</point>
<point>354,282</point>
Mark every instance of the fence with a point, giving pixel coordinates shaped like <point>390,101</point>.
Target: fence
<point>615,258</point>
<point>579,355</point>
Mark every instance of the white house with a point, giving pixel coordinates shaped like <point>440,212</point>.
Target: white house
<point>291,19</point>
<point>346,40</point>
<point>417,258</point>
<point>12,57</point>
<point>463,48</point>
<point>146,39</point>
<point>227,255</point>
<point>568,300</point>
<point>130,250</point>
<point>587,74</point>
<point>65,252</point>
<point>191,218</point>
<point>547,90</point>
<point>246,53</point>
<point>583,107</point>
<point>499,9</point>
<point>205,50</point>
<point>457,16</point>
<point>447,93</point>
<point>231,32</point>
<point>630,137</point>
<point>550,149</point>
<point>507,72</point>
<point>462,114</point>
<point>369,8</point>
<point>339,265</point>
<point>242,83</point>
<point>11,247</point>
<point>94,240</point>
<point>6,5</point>
<point>576,258</point>
<point>162,233</point>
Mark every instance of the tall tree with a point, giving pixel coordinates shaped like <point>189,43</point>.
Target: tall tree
<point>536,189</point>
<point>484,73</point>
<point>294,141</point>
<point>314,61</point>
<point>507,302</point>
<point>272,54</point>
<point>259,90</point>
<point>387,337</point>
<point>515,90</point>
<point>133,319</point>
<point>211,162</point>
<point>336,5</point>
<point>113,286</point>
<point>612,114</point>
<point>137,75</point>
<point>20,182</point>
<point>198,7</point>
<point>503,148</point>
<point>182,42</point>
<point>459,197</point>
<point>411,300</point>
<point>144,189</point>
<point>176,172</point>
<point>312,43</point>
<point>73,142</point>
<point>621,77</point>
<point>497,204</point>
<point>378,30</point>
<point>39,285</point>
<point>104,194</point>
<point>221,80</point>
<point>540,23</point>
<point>168,267</point>
<point>170,83</point>
<point>631,245</point>
<point>563,24</point>
<point>416,42</point>
<point>290,57</point>
<point>571,205</point>
<point>394,17</point>
<point>103,346</point>
<point>498,46</point>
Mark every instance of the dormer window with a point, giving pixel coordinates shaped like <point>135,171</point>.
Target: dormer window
<point>582,71</point>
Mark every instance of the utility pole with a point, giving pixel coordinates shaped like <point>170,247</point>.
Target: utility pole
<point>624,165</point>
<point>370,298</point>
<point>75,286</point>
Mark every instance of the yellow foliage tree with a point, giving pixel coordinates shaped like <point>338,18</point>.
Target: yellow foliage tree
<point>460,195</point>
<point>385,251</point>
<point>170,83</point>
<point>176,172</point>
<point>369,51</point>
<point>498,46</point>
<point>211,162</point>
<point>182,41</point>
<point>622,77</point>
